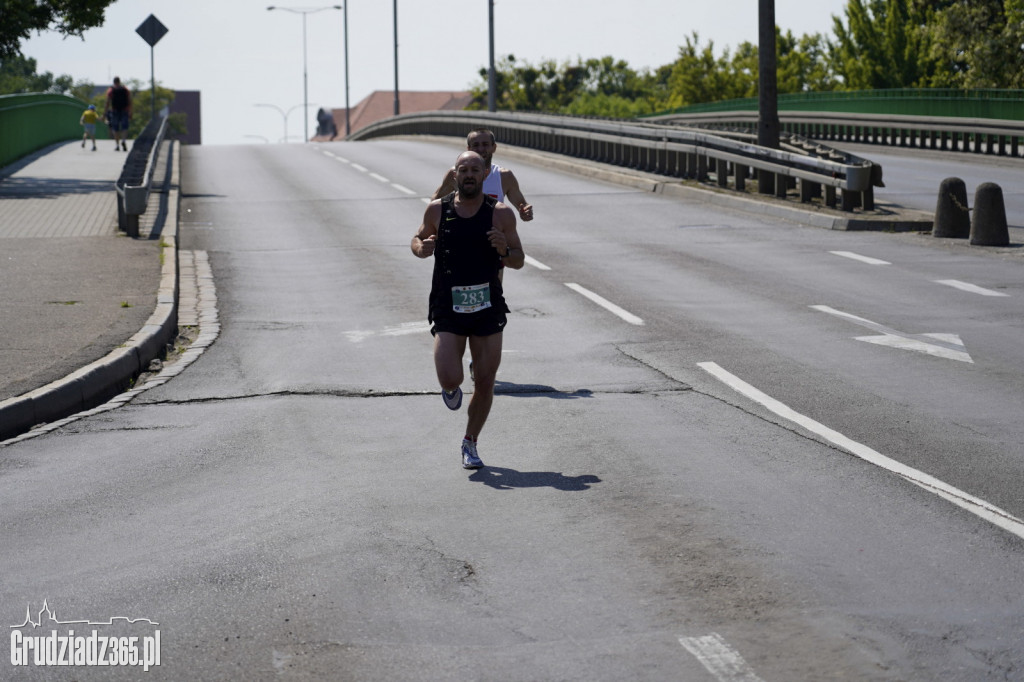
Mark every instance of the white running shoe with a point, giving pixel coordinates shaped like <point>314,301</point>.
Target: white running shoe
<point>470,460</point>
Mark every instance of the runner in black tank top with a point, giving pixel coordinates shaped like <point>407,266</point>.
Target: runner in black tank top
<point>469,235</point>
<point>466,295</point>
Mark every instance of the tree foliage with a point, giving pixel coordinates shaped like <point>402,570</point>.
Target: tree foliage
<point>18,18</point>
<point>876,44</point>
<point>979,43</point>
<point>18,75</point>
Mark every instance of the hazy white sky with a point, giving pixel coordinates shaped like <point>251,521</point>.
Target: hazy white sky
<point>238,54</point>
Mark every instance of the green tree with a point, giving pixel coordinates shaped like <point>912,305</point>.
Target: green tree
<point>18,75</point>
<point>18,18</point>
<point>884,44</point>
<point>979,44</point>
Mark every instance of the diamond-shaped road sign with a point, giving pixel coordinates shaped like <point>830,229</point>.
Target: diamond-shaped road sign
<point>151,30</point>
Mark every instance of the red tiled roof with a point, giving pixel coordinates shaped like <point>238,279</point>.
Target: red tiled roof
<point>380,104</point>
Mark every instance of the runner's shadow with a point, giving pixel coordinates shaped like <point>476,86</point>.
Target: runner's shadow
<point>526,390</point>
<point>509,479</point>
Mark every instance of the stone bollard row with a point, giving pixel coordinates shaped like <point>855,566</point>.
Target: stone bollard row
<point>953,219</point>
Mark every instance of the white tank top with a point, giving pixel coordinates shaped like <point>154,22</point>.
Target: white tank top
<point>492,183</point>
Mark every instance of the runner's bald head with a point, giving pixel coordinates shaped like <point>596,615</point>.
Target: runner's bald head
<point>469,158</point>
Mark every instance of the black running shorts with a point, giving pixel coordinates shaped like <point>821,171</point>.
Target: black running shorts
<point>484,323</point>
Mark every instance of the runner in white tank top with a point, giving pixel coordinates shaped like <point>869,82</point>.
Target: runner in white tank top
<point>492,183</point>
<point>500,183</point>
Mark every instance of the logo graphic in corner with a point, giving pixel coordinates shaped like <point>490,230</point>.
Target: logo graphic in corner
<point>62,647</point>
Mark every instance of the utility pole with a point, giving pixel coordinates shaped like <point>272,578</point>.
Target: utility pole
<point>767,90</point>
<point>492,76</point>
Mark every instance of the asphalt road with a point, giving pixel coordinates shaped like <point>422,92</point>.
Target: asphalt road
<point>292,506</point>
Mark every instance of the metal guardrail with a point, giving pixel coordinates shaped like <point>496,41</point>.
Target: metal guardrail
<point>1001,137</point>
<point>133,187</point>
<point>690,153</point>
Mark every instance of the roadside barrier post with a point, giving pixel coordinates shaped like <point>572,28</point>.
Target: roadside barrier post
<point>988,226</point>
<point>952,216</point>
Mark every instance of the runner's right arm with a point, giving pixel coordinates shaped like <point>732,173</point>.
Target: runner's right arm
<point>425,239</point>
<point>447,185</point>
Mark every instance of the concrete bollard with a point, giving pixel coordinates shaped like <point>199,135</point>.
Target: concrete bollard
<point>952,217</point>
<point>988,225</point>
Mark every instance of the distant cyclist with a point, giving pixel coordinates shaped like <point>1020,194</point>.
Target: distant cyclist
<point>118,113</point>
<point>469,235</point>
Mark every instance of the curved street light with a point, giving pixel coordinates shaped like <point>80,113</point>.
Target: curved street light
<point>305,76</point>
<point>284,114</point>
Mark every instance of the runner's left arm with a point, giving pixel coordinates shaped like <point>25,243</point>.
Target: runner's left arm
<point>505,239</point>
<point>515,195</point>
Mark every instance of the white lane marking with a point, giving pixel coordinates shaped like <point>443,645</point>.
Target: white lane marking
<point>403,329</point>
<point>719,658</point>
<point>402,189</point>
<point>972,288</point>
<point>606,304</point>
<point>342,159</point>
<point>948,346</point>
<point>863,259</point>
<point>361,169</point>
<point>530,260</point>
<point>975,505</point>
<point>377,176</point>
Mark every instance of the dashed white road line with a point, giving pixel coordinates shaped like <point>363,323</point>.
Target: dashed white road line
<point>863,259</point>
<point>342,159</point>
<point>972,288</point>
<point>403,189</point>
<point>721,660</point>
<point>361,169</point>
<point>530,260</point>
<point>975,505</point>
<point>606,304</point>
<point>378,176</point>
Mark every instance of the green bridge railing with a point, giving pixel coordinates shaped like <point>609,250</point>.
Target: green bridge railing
<point>997,104</point>
<point>33,121</point>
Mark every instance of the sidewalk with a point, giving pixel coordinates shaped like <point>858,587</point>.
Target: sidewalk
<point>76,291</point>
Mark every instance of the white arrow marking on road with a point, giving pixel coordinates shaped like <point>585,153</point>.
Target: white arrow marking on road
<point>719,658</point>
<point>863,259</point>
<point>947,346</point>
<point>401,330</point>
<point>972,288</point>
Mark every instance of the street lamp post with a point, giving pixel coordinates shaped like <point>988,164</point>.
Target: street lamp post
<point>348,127</point>
<point>305,76</point>
<point>395,11</point>
<point>284,115</point>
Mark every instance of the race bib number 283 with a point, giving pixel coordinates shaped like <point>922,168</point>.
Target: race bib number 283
<point>471,299</point>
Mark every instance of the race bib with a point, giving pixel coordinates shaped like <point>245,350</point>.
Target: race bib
<point>472,298</point>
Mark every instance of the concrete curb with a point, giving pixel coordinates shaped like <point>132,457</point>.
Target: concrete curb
<point>105,378</point>
<point>895,219</point>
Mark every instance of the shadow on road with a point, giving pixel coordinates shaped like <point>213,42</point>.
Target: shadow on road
<point>508,479</point>
<point>526,390</point>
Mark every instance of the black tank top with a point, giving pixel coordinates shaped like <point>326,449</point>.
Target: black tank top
<point>464,257</point>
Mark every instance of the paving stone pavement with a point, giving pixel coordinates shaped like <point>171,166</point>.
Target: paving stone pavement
<point>72,287</point>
